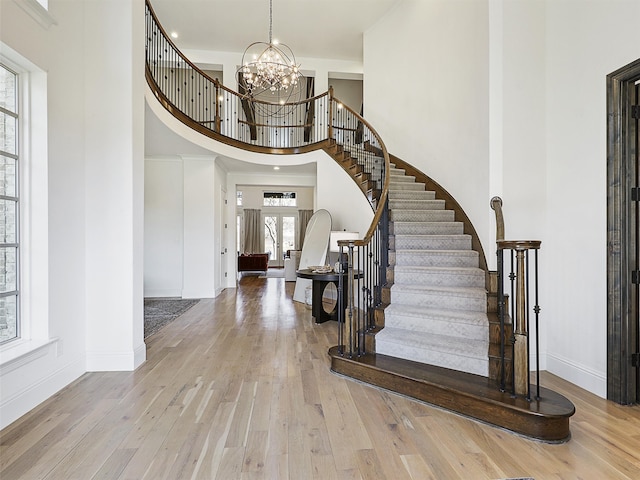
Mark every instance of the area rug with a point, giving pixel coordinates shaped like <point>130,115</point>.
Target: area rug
<point>158,312</point>
<point>273,273</point>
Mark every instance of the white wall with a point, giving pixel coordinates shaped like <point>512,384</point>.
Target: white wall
<point>163,227</point>
<point>94,176</point>
<point>338,193</point>
<point>114,166</point>
<point>426,83</point>
<point>184,227</point>
<point>583,45</point>
<point>199,274</point>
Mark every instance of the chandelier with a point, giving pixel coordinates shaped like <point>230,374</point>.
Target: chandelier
<point>269,67</point>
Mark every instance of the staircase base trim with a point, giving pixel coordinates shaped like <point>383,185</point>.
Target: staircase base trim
<point>470,395</point>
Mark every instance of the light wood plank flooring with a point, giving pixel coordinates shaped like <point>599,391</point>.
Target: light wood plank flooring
<point>239,388</point>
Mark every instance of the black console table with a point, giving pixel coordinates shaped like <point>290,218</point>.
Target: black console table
<point>319,282</point>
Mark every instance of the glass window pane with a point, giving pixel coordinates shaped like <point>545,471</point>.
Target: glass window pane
<point>8,221</point>
<point>288,233</point>
<point>8,269</point>
<point>7,176</point>
<point>7,90</point>
<point>8,318</point>
<point>271,236</point>
<point>7,133</point>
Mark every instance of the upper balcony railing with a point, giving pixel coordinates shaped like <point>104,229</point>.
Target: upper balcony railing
<point>319,122</point>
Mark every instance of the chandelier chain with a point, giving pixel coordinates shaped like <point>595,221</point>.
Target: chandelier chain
<point>270,21</point>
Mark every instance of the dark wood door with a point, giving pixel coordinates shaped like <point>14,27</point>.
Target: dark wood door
<point>623,234</point>
<point>635,130</point>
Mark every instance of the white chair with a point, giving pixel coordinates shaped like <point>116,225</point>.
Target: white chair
<point>291,264</point>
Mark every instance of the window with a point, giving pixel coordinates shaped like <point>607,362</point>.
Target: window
<point>9,194</point>
<point>239,198</point>
<point>279,199</point>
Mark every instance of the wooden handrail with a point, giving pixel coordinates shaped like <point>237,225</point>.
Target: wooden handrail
<point>496,205</point>
<point>382,201</point>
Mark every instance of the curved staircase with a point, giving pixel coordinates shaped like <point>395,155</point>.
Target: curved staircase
<point>437,312</point>
<point>420,315</point>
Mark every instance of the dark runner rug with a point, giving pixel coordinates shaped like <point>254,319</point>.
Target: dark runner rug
<point>160,311</point>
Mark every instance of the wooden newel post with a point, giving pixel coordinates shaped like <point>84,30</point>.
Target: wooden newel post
<point>520,339</point>
<point>521,345</point>
<point>349,330</point>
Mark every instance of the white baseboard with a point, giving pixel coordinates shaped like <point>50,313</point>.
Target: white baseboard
<point>16,404</point>
<point>166,293</point>
<point>116,361</point>
<point>580,375</point>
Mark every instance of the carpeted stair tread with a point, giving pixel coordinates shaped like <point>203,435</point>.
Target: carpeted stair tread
<point>410,215</point>
<point>416,204</point>
<point>462,323</point>
<point>432,242</point>
<point>439,297</point>
<point>428,228</point>
<point>403,178</point>
<point>436,258</point>
<point>439,276</point>
<point>412,194</point>
<point>393,185</point>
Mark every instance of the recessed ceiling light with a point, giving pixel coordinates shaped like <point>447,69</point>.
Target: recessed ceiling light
<point>174,34</point>
<point>276,168</point>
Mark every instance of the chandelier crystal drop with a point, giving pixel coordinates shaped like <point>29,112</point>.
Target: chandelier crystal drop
<point>269,66</point>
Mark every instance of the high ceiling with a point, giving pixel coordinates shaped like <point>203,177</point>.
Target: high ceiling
<point>312,28</point>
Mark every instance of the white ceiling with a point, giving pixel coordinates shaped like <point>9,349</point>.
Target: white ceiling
<point>311,28</point>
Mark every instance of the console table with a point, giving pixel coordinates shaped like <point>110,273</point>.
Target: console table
<point>319,282</point>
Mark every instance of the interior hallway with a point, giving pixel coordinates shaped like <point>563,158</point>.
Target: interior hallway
<point>239,387</point>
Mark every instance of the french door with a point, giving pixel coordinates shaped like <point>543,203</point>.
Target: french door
<point>279,236</point>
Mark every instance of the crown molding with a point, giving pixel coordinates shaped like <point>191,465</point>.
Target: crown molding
<point>38,12</point>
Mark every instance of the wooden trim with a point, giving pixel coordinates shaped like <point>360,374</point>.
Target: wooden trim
<point>621,174</point>
<point>518,244</point>
<point>545,419</point>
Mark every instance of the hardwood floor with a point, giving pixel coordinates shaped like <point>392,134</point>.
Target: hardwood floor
<point>239,388</point>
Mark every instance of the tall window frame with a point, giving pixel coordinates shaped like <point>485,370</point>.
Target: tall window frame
<point>33,211</point>
<point>10,119</point>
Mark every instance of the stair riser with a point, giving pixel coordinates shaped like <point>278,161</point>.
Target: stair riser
<point>422,216</point>
<point>426,228</point>
<point>437,299</point>
<point>405,185</point>
<point>412,195</point>
<point>401,179</point>
<point>416,204</point>
<point>438,279</point>
<point>418,242</point>
<point>477,366</point>
<point>419,258</point>
<point>436,327</point>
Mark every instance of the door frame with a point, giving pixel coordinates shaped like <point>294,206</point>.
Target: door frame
<point>622,326</point>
